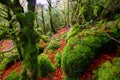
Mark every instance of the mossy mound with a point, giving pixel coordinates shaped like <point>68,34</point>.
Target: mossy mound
<point>109,70</point>
<point>75,59</point>
<point>81,49</point>
<point>7,61</point>
<point>45,65</point>
<point>53,45</point>
<point>13,76</point>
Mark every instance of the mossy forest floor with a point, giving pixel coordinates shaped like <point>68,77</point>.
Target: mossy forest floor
<point>88,75</point>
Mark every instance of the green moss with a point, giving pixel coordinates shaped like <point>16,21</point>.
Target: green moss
<point>40,48</point>
<point>30,16</point>
<point>78,52</point>
<point>74,31</point>
<point>53,45</point>
<point>58,59</point>
<point>13,76</point>
<point>44,38</point>
<point>87,11</point>
<point>91,41</point>
<point>109,71</point>
<point>6,62</point>
<point>113,27</point>
<point>45,65</point>
<point>75,59</point>
<point>21,17</point>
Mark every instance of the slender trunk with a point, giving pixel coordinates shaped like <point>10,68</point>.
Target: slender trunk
<point>50,14</point>
<point>64,12</point>
<point>68,21</point>
<point>43,21</point>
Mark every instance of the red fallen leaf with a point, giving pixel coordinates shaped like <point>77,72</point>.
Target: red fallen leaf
<point>43,44</point>
<point>62,45</point>
<point>61,32</point>
<point>17,66</point>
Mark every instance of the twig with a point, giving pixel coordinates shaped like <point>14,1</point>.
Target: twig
<point>113,38</point>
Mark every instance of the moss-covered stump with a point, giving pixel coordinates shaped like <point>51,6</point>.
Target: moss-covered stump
<point>109,70</point>
<point>82,47</point>
<point>45,66</point>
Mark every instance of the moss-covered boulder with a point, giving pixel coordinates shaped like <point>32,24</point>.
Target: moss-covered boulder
<point>75,59</point>
<point>109,70</point>
<point>45,65</point>
<point>81,49</point>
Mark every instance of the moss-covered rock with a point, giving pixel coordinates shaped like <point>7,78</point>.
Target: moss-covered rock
<point>45,65</point>
<point>81,48</point>
<point>58,59</point>
<point>109,70</point>
<point>75,59</point>
<point>13,76</point>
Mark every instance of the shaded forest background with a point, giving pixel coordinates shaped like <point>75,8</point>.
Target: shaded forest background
<point>66,37</point>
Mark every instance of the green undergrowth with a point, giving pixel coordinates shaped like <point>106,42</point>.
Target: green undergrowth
<point>44,38</point>
<point>45,65</point>
<point>7,61</point>
<point>58,59</point>
<point>75,59</point>
<point>74,31</point>
<point>110,70</point>
<point>13,76</point>
<point>82,47</point>
<point>53,45</point>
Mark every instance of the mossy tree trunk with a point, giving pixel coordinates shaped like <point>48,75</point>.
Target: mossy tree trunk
<point>27,37</point>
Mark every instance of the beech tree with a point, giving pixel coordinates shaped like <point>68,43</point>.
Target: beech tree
<point>26,37</point>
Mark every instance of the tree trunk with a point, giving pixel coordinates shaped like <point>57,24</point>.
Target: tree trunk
<point>43,21</point>
<point>68,21</point>
<point>27,38</point>
<point>50,14</point>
